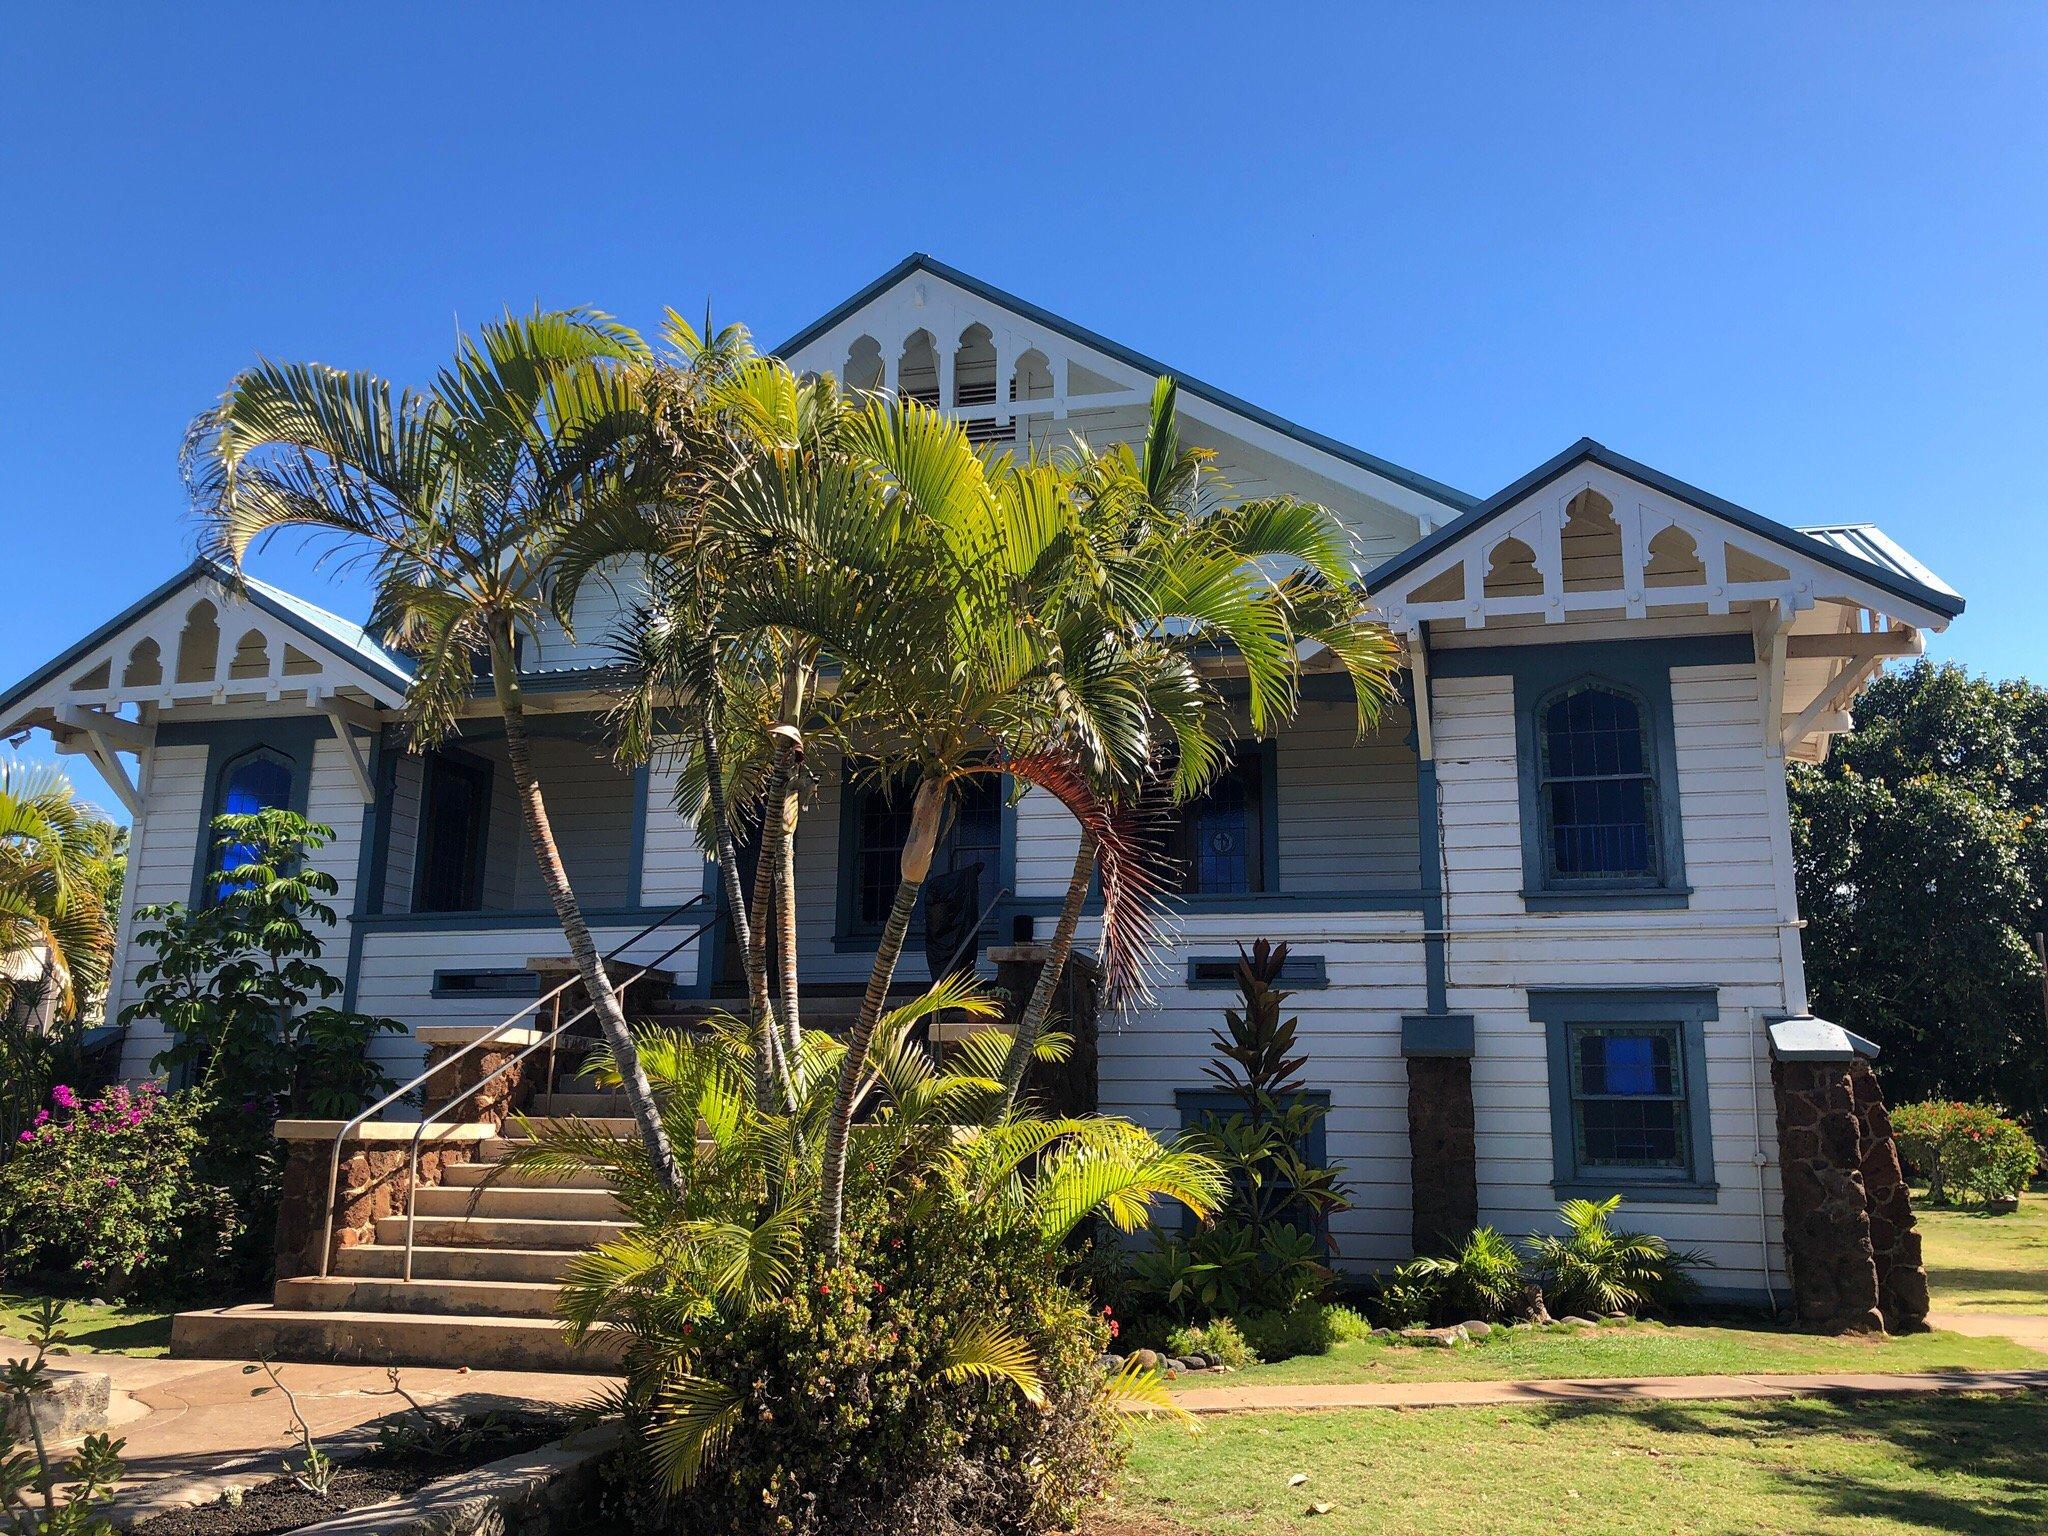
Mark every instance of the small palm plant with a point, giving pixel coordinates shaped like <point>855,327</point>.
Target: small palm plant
<point>1593,1269</point>
<point>755,1353</point>
<point>1485,1279</point>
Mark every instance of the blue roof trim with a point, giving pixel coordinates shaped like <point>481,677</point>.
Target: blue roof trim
<point>1436,490</point>
<point>327,629</point>
<point>1937,597</point>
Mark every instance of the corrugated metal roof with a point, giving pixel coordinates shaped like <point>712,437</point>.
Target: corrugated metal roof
<point>344,632</point>
<point>1867,541</point>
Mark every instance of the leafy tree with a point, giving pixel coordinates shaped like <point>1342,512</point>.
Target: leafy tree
<point>59,863</point>
<point>239,985</point>
<point>1922,857</point>
<point>459,497</point>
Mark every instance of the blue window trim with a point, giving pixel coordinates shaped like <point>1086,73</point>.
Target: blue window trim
<point>1301,973</point>
<point>429,766</point>
<point>291,737</point>
<point>1685,1009</point>
<point>1639,667</point>
<point>848,936</point>
<point>1267,752</point>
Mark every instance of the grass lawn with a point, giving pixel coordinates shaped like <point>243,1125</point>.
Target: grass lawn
<point>1980,1263</point>
<point>1975,1464</point>
<point>114,1330</point>
<point>1634,1349</point>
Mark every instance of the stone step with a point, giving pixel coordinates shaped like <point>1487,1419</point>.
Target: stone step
<point>266,1332</point>
<point>498,1232</point>
<point>611,1106</point>
<point>512,1199</point>
<point>614,1125</point>
<point>469,1175</point>
<point>441,1298</point>
<point>380,1261</point>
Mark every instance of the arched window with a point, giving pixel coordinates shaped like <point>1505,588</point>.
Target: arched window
<point>258,780</point>
<point>1596,785</point>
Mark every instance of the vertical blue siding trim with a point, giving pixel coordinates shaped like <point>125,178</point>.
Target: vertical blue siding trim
<point>636,847</point>
<point>371,855</point>
<point>1429,847</point>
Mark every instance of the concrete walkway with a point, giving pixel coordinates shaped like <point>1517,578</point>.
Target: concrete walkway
<point>2029,1329</point>
<point>1453,1394</point>
<point>195,1426</point>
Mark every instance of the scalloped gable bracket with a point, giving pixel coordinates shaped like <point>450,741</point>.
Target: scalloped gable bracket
<point>1588,538</point>
<point>202,645</point>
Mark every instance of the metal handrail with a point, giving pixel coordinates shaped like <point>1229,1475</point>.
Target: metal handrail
<point>496,1030</point>
<point>412,1181</point>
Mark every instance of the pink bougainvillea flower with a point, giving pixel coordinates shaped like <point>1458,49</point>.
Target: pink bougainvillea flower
<point>64,1097</point>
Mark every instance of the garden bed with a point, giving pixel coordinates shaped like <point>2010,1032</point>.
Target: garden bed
<point>395,1470</point>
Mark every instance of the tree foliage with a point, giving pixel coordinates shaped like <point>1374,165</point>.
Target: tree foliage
<point>1922,858</point>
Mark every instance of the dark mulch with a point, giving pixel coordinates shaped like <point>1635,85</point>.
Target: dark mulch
<point>391,1471</point>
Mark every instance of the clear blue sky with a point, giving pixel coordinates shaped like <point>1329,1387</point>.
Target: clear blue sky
<point>1795,254</point>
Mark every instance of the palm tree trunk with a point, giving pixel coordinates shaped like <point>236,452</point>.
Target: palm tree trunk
<point>611,1017</point>
<point>770,1072</point>
<point>926,814</point>
<point>1031,1023</point>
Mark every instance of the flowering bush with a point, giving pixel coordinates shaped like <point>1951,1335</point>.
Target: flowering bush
<point>1970,1148</point>
<point>104,1191</point>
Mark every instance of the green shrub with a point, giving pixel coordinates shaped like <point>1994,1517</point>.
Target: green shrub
<point>1312,1328</point>
<point>1970,1148</point>
<point>1267,1249</point>
<point>1485,1279</point>
<point>1220,1338</point>
<point>1594,1269</point>
<point>109,1195</point>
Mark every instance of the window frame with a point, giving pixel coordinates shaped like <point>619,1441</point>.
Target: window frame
<point>227,742</point>
<point>850,934</point>
<point>1681,1012</point>
<point>1550,876</point>
<point>448,760</point>
<point>1264,811</point>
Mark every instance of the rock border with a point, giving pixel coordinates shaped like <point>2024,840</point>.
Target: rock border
<point>527,1494</point>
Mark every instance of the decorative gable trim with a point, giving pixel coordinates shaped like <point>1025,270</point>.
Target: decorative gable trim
<point>1506,558</point>
<point>1031,329</point>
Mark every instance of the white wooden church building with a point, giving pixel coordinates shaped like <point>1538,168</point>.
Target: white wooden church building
<point>1562,862</point>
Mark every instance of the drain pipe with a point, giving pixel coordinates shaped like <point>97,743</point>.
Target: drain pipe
<point>1763,1215</point>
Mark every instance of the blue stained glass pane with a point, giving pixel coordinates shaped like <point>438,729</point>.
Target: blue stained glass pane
<point>259,784</point>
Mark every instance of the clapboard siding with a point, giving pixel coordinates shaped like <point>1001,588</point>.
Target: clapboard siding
<point>1347,819</point>
<point>397,976</point>
<point>1729,938</point>
<point>161,848</point>
<point>672,861</point>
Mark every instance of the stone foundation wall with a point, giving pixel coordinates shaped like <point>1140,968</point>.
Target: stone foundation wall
<point>1443,1156</point>
<point>1850,1243</point>
<point>492,1105</point>
<point>372,1184</point>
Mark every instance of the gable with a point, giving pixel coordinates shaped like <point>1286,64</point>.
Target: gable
<point>1594,534</point>
<point>202,638</point>
<point>1016,372</point>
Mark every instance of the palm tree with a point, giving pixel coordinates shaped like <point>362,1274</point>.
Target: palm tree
<point>58,862</point>
<point>459,497</point>
<point>733,1239</point>
<point>1164,566</point>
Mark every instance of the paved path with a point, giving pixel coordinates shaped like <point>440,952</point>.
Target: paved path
<point>195,1426</point>
<point>1451,1394</point>
<point>2030,1329</point>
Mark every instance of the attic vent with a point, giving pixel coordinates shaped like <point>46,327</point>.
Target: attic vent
<point>482,983</point>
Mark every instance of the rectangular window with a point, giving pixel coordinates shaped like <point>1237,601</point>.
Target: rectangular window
<point>1218,839</point>
<point>1628,1090</point>
<point>1628,1096</point>
<point>875,822</point>
<point>455,804</point>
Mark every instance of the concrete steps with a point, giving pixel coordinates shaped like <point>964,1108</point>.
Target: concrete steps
<point>385,1261</point>
<point>265,1331</point>
<point>517,1201</point>
<point>440,1298</point>
<point>490,1246</point>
